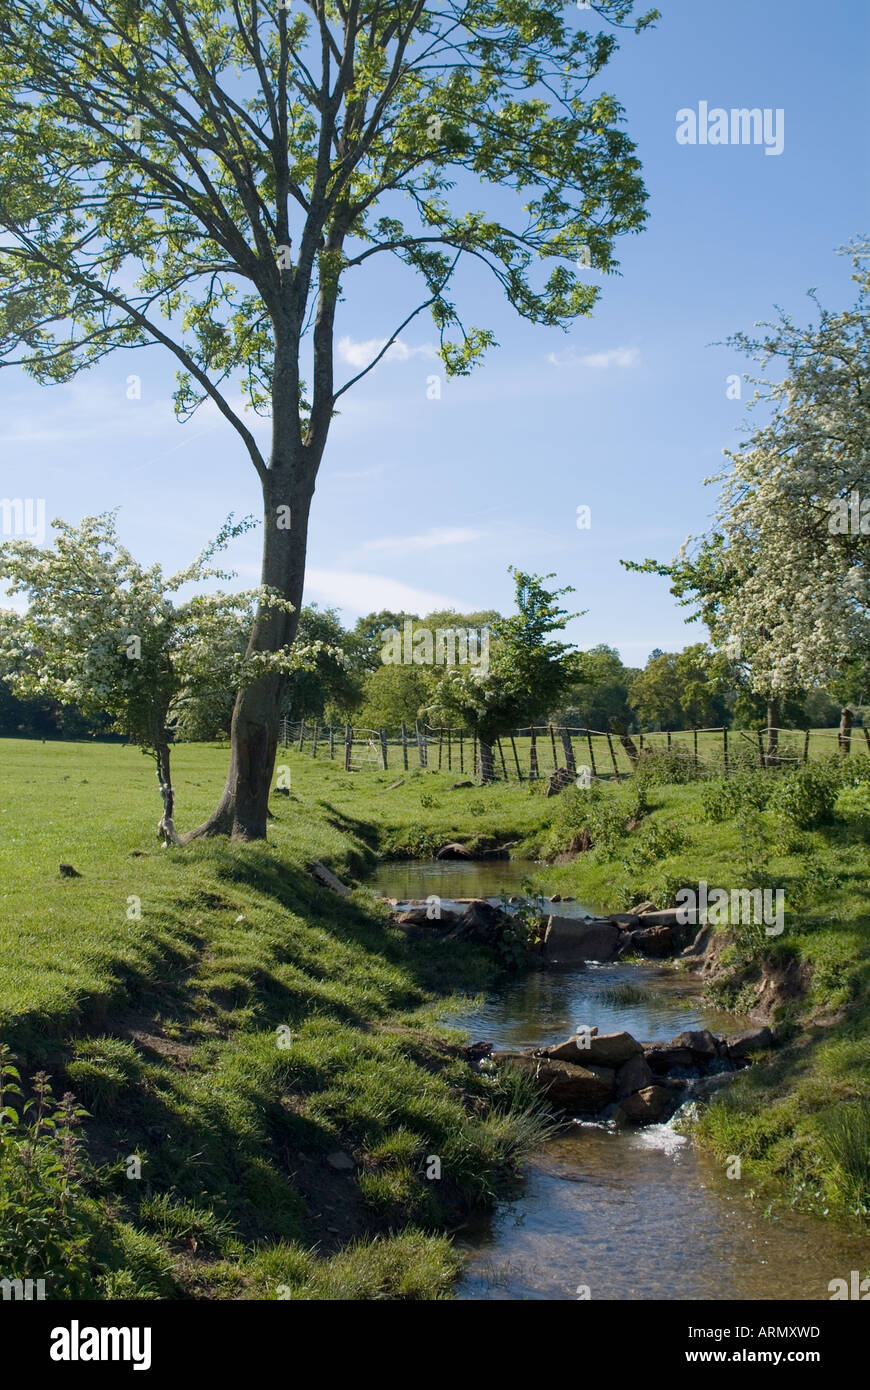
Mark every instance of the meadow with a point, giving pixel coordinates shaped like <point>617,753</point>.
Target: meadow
<point>239,1035</point>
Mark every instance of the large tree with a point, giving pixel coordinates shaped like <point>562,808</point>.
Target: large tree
<point>213,176</point>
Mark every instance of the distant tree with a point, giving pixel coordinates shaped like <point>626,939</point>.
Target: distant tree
<point>654,694</point>
<point>395,694</point>
<point>681,690</point>
<point>365,642</point>
<point>600,696</point>
<point>528,671</point>
<point>328,681</point>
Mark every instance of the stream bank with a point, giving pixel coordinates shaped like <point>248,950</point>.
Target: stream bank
<point>618,1212</point>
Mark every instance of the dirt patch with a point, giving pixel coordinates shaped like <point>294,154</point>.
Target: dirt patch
<point>772,982</point>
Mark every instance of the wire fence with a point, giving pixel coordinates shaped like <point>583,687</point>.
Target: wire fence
<point>545,750</point>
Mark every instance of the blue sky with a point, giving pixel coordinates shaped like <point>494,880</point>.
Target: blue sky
<point>423,503</point>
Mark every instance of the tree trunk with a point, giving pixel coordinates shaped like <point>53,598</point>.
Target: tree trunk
<point>487,762</point>
<point>845,736</point>
<point>166,826</point>
<point>242,811</point>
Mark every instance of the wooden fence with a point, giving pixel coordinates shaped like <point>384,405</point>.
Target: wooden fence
<point>537,751</point>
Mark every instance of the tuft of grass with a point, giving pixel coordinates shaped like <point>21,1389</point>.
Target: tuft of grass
<point>845,1133</point>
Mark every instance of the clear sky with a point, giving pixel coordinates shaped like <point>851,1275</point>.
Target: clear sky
<point>424,503</point>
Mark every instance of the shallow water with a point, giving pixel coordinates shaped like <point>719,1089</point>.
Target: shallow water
<point>652,1002</point>
<point>460,878</point>
<point>641,1215</point>
<point>634,1213</point>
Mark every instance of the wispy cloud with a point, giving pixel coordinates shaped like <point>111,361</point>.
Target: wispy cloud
<point>613,357</point>
<point>360,354</point>
<point>438,536</point>
<point>376,471</point>
<point>359,593</point>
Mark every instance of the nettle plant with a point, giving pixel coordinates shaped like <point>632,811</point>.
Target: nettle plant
<point>42,1230</point>
<point>217,178</point>
<point>111,637</point>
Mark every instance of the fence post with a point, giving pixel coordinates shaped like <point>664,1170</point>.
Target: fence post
<point>501,755</point>
<point>301,734</point>
<point>314,734</point>
<point>725,751</point>
<point>461,752</point>
<point>553,742</point>
<point>568,749</point>
<point>807,745</point>
<point>440,744</point>
<point>449,750</point>
<point>591,753</point>
<point>331,742</point>
<point>421,743</point>
<point>404,746</point>
<point>383,734</point>
<point>516,759</point>
<point>474,755</point>
<point>533,755</point>
<point>695,733</point>
<point>760,750</point>
<point>613,757</point>
<point>348,746</point>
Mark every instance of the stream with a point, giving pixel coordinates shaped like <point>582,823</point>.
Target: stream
<point>631,1213</point>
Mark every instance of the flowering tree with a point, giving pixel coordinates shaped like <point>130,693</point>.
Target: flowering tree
<point>107,635</point>
<point>783,582</point>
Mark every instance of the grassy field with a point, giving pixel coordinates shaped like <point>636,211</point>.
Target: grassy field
<point>230,1025</point>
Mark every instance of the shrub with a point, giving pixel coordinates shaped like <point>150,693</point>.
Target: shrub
<point>806,794</point>
<point>723,798</point>
<point>652,843</point>
<point>43,1230</point>
<point>667,765</point>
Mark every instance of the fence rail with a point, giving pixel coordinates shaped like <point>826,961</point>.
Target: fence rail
<point>538,751</point>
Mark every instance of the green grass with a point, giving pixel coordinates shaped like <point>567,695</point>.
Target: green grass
<point>229,1024</point>
<point>799,1117</point>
